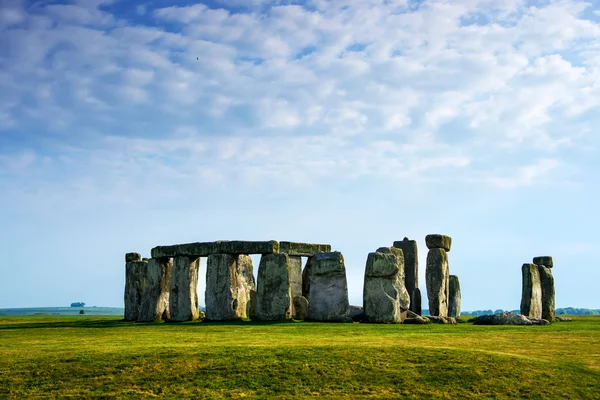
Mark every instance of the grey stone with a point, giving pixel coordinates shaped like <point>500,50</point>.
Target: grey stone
<point>300,307</point>
<point>411,264</point>
<point>547,284</point>
<point>133,257</point>
<point>295,279</point>
<point>418,320</point>
<point>437,281</point>
<point>539,321</point>
<point>155,300</point>
<point>385,299</point>
<point>505,318</point>
<point>183,296</point>
<point>328,296</point>
<point>163,251</point>
<point>437,320</point>
<point>229,281</point>
<point>546,261</point>
<point>307,277</point>
<point>356,313</point>
<point>274,301</point>
<point>415,301</point>
<point>563,319</point>
<point>204,249</point>
<point>454,297</point>
<point>248,247</point>
<point>410,314</point>
<point>135,284</point>
<point>437,241</point>
<point>531,294</point>
<point>251,305</point>
<point>197,249</point>
<point>302,249</point>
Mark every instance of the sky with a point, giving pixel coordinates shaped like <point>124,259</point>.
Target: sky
<point>125,125</point>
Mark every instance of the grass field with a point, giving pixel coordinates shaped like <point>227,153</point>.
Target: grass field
<point>102,357</point>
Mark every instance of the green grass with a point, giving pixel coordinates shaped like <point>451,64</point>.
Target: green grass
<point>102,357</point>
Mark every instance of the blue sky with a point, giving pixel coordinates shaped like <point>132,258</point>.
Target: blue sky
<point>125,125</point>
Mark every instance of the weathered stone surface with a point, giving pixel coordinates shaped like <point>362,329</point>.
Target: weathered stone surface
<point>547,284</point>
<point>251,306</point>
<point>328,296</point>
<point>505,318</point>
<point>546,261</point>
<point>204,249</point>
<point>248,247</point>
<point>295,279</point>
<point>437,241</point>
<point>307,277</point>
<point>135,283</point>
<point>300,307</point>
<point>531,294</point>
<point>183,296</point>
<point>385,299</point>
<point>274,301</point>
<point>356,313</point>
<point>411,264</point>
<point>302,249</point>
<point>197,249</point>
<point>418,320</point>
<point>133,257</point>
<point>563,319</point>
<point>437,281</point>
<point>229,280</point>
<point>454,297</point>
<point>163,251</point>
<point>155,300</point>
<point>415,301</point>
<point>437,320</point>
<point>539,321</point>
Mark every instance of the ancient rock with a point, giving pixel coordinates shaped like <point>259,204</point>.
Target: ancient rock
<point>251,305</point>
<point>229,280</point>
<point>295,279</point>
<point>411,266</point>
<point>539,321</point>
<point>531,294</point>
<point>183,297</point>
<point>133,257</point>
<point>415,301</point>
<point>248,247</point>
<point>356,313</point>
<point>454,297</point>
<point>505,318</point>
<point>155,300</point>
<point>410,314</point>
<point>197,249</point>
<point>307,277</point>
<point>437,281</point>
<point>274,301</point>
<point>546,261</point>
<point>163,251</point>
<point>563,319</point>
<point>302,249</point>
<point>385,299</point>
<point>204,249</point>
<point>135,283</point>
<point>418,320</point>
<point>300,307</point>
<point>547,284</point>
<point>328,296</point>
<point>437,241</point>
<point>437,320</point>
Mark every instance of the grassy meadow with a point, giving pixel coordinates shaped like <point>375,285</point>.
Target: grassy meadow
<point>103,357</point>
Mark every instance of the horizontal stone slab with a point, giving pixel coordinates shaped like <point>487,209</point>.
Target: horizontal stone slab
<point>436,241</point>
<point>546,261</point>
<point>132,257</point>
<point>204,249</point>
<point>303,249</point>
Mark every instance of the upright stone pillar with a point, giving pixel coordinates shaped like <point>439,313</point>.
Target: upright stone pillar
<point>295,279</point>
<point>328,296</point>
<point>155,300</point>
<point>229,281</point>
<point>547,283</point>
<point>437,274</point>
<point>454,297</point>
<point>135,282</point>
<point>183,298</point>
<point>385,298</point>
<point>273,291</point>
<point>415,302</point>
<point>531,294</point>
<point>307,277</point>
<point>411,268</point>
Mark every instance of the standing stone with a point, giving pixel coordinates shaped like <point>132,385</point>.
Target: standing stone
<point>547,284</point>
<point>415,302</point>
<point>437,281</point>
<point>328,296</point>
<point>385,299</point>
<point>411,266</point>
<point>251,306</point>
<point>300,307</point>
<point>135,283</point>
<point>295,279</point>
<point>437,241</point>
<point>155,300</point>
<point>531,295</point>
<point>273,290</point>
<point>307,277</point>
<point>454,297</point>
<point>183,299</point>
<point>229,280</point>
<point>133,257</point>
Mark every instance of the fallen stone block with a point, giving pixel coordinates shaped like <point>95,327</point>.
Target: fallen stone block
<point>418,320</point>
<point>539,321</point>
<point>437,241</point>
<point>505,318</point>
<point>302,249</point>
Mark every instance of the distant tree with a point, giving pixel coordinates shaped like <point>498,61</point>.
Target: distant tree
<point>81,312</point>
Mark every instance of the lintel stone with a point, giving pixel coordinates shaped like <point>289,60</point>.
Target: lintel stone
<point>546,261</point>
<point>303,249</point>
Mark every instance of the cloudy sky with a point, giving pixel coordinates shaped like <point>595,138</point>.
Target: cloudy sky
<point>125,125</point>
